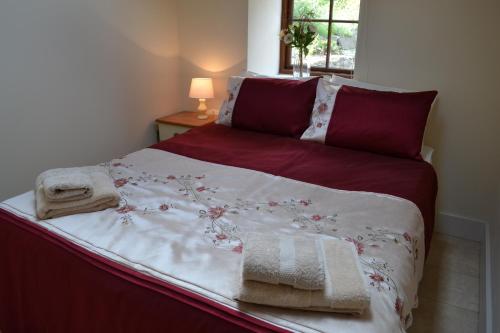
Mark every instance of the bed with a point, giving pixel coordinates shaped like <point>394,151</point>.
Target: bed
<point>167,258</point>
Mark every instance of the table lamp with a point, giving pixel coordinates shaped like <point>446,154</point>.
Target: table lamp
<point>201,88</point>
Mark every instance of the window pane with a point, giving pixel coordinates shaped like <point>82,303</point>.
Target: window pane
<point>320,8</point>
<point>346,10</point>
<point>343,50</point>
<point>317,49</point>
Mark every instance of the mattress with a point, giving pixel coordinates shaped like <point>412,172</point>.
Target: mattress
<point>169,256</point>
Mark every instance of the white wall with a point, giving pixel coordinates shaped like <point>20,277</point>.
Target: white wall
<point>81,82</point>
<point>213,43</point>
<point>264,25</point>
<point>451,46</point>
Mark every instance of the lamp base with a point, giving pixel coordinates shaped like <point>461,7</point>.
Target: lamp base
<point>202,108</point>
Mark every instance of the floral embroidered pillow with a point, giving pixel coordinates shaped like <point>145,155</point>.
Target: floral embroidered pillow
<point>326,92</point>
<point>227,107</point>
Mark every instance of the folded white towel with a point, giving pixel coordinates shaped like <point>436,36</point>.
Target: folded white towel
<point>345,288</point>
<point>66,184</point>
<point>104,196</point>
<point>294,261</point>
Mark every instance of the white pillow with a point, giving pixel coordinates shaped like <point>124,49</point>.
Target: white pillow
<point>277,76</point>
<point>339,80</point>
<point>427,153</point>
<point>226,110</point>
<point>326,92</point>
<point>251,74</point>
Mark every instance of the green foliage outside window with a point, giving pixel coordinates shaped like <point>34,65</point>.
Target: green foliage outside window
<point>320,10</point>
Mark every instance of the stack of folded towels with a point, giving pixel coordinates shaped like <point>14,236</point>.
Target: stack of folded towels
<point>317,274</point>
<point>61,192</point>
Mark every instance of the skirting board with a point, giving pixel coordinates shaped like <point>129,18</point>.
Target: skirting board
<point>474,230</point>
<point>486,310</point>
<point>461,227</point>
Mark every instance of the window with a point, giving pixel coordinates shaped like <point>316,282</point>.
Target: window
<point>334,49</point>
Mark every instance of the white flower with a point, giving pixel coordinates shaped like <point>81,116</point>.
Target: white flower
<point>312,28</point>
<point>288,39</point>
<point>282,33</point>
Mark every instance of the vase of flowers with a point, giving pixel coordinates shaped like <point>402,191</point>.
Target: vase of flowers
<point>300,35</point>
<point>300,66</point>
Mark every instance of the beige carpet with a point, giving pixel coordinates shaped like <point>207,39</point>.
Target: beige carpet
<point>449,292</point>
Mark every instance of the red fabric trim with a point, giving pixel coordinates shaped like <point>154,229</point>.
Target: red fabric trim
<point>51,284</point>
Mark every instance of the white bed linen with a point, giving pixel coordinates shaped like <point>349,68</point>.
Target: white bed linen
<point>182,220</point>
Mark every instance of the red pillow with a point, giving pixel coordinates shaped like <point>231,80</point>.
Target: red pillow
<point>381,122</point>
<point>275,106</point>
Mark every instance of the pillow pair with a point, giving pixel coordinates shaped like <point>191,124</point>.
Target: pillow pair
<point>375,120</point>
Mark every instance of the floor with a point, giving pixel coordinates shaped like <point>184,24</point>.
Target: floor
<point>449,292</point>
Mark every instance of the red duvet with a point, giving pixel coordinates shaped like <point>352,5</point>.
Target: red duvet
<point>48,284</point>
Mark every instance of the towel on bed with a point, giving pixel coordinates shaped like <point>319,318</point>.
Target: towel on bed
<point>66,184</point>
<point>104,196</point>
<point>294,261</point>
<point>345,288</point>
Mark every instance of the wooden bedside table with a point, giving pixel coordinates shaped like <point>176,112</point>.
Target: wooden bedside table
<point>178,123</point>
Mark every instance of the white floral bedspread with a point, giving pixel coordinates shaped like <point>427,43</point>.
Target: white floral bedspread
<point>182,220</point>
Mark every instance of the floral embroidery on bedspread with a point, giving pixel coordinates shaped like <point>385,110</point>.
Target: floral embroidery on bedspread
<point>378,271</point>
<point>222,232</point>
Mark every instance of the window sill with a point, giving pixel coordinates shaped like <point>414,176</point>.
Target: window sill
<point>346,74</point>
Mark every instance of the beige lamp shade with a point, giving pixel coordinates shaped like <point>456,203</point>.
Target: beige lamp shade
<point>201,88</point>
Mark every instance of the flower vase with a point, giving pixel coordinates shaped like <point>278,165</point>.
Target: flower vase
<point>301,67</point>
